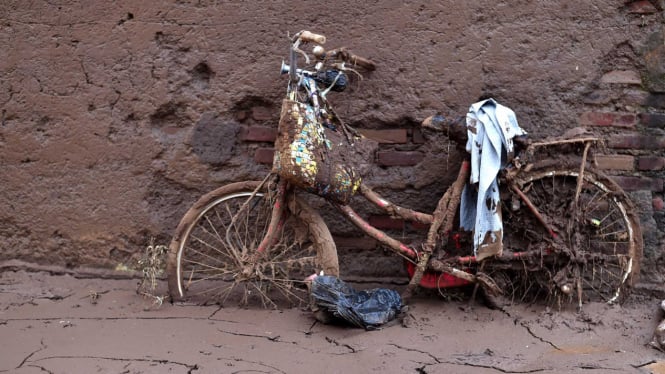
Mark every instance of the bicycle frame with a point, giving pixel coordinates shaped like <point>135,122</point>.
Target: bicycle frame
<point>439,221</point>
<point>564,228</point>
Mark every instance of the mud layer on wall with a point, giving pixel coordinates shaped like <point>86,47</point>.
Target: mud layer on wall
<point>117,116</point>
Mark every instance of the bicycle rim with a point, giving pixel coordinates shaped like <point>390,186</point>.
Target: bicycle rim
<point>214,253</point>
<point>599,260</point>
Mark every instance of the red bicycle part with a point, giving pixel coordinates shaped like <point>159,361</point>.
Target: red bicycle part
<point>433,279</point>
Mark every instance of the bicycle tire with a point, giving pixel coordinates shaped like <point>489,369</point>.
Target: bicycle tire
<point>601,235</point>
<point>209,252</point>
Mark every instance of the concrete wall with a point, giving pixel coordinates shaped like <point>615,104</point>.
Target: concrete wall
<point>116,116</point>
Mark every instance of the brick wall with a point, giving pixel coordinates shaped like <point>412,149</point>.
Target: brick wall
<point>398,148</point>
<point>627,106</point>
<point>112,126</point>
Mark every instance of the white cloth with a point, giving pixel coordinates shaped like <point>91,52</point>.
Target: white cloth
<point>491,128</point>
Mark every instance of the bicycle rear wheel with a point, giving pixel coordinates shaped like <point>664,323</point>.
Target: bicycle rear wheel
<point>598,255</point>
<point>213,259</point>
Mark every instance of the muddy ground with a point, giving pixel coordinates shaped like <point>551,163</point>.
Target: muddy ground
<point>63,324</point>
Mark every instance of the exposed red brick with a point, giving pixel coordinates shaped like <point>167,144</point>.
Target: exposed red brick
<point>651,163</point>
<point>264,155</point>
<point>653,120</point>
<point>625,120</point>
<point>258,134</point>
<point>399,158</point>
<point>384,222</point>
<point>597,119</point>
<point>658,204</point>
<point>641,7</point>
<point>389,136</point>
<point>621,77</point>
<point>261,113</point>
<point>637,142</point>
<point>629,183</point>
<point>616,162</point>
<point>347,242</point>
<point>616,119</point>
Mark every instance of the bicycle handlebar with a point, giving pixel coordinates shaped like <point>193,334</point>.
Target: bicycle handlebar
<point>361,61</point>
<point>347,56</point>
<point>330,68</point>
<point>339,53</point>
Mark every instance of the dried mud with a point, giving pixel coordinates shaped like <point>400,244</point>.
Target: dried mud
<point>63,324</point>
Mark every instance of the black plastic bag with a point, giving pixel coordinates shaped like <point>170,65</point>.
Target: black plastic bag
<point>367,309</point>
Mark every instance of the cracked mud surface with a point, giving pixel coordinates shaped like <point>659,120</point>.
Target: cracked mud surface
<point>60,324</point>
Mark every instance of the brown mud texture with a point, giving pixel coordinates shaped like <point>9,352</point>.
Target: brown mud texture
<point>66,324</point>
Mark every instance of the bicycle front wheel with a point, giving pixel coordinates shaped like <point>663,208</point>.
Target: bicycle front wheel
<point>597,224</point>
<point>213,258</point>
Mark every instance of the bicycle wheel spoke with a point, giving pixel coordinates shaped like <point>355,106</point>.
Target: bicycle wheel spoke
<point>285,253</point>
<point>605,217</point>
<point>203,242</point>
<point>215,234</point>
<point>616,222</point>
<point>233,225</point>
<point>285,290</point>
<point>216,258</point>
<point>264,296</point>
<point>592,199</point>
<point>209,278</point>
<point>614,233</point>
<point>231,251</point>
<point>598,241</point>
<point>223,290</point>
<point>202,264</point>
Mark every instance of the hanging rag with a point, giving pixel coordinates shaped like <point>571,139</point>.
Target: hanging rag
<point>491,128</point>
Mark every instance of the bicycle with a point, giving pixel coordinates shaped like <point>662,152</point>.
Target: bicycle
<point>571,233</point>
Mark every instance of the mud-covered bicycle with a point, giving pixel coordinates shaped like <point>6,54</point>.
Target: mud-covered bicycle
<point>570,233</point>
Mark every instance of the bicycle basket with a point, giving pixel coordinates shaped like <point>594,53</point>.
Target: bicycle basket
<point>325,160</point>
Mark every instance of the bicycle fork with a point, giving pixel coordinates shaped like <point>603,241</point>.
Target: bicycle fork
<point>274,227</point>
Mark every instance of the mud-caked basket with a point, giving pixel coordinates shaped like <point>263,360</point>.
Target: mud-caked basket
<point>327,160</point>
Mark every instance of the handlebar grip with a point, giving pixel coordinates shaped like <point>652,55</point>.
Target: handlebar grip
<point>307,36</point>
<point>361,61</point>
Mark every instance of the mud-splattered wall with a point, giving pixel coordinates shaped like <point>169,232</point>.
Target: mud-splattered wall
<point>116,116</point>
